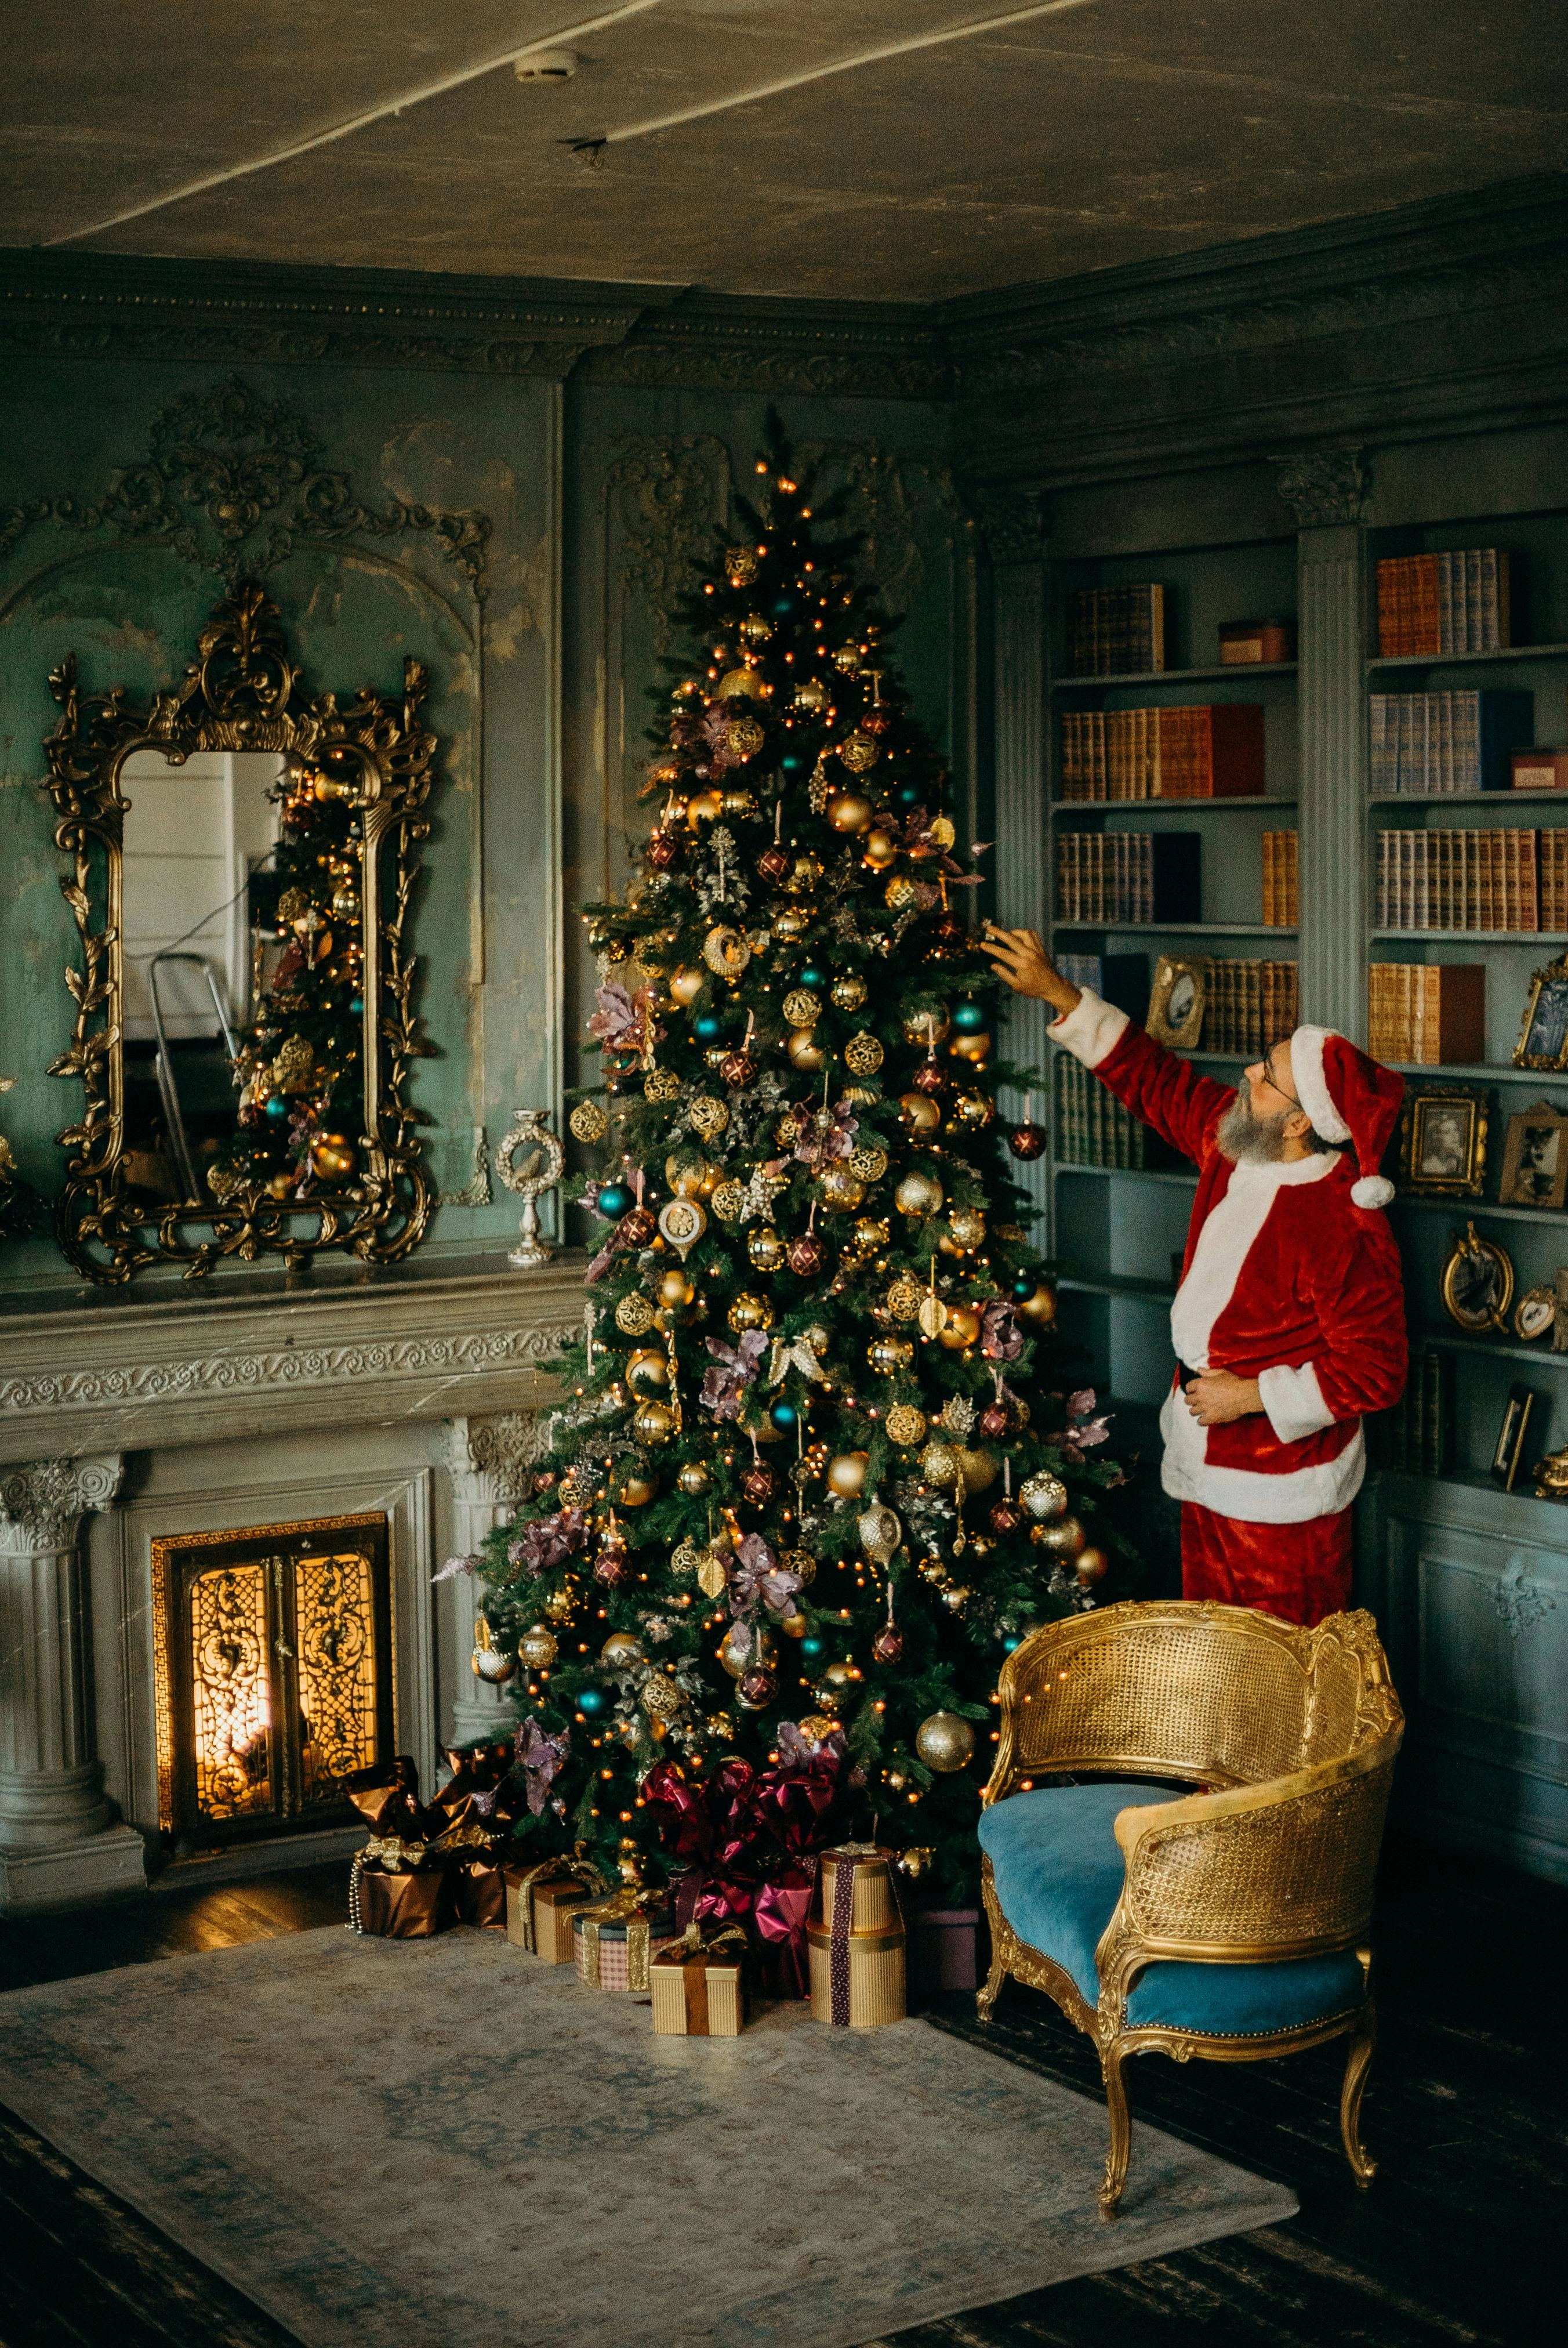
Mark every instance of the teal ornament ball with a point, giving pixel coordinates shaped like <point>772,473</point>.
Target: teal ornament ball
<point>969,1018</point>
<point>813,976</point>
<point>908,795</point>
<point>277,1105</point>
<point>591,1700</point>
<point>1009,1645</point>
<point>792,762</point>
<point>1024,1286</point>
<point>707,1027</point>
<point>783,1413</point>
<point>615,1200</point>
<point>810,1645</point>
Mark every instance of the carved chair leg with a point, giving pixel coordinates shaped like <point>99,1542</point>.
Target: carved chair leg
<point>985,1999</point>
<point>1356,2066</point>
<point>1116,2159</point>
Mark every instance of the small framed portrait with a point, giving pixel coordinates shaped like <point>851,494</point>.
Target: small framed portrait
<point>1176,1002</point>
<point>1536,1158</point>
<point>1518,1412</point>
<point>1543,1038</point>
<point>1443,1152</point>
<point>1535,1313</point>
<point>1477,1283</point>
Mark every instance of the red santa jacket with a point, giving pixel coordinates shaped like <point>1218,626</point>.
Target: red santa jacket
<point>1285,1280</point>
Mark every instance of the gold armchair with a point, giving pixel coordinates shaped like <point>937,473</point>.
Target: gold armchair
<point>1231,1922</point>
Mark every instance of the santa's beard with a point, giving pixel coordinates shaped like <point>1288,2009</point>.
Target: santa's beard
<point>1248,1140</point>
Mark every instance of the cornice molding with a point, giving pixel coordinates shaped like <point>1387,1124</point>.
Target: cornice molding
<point>1324,485</point>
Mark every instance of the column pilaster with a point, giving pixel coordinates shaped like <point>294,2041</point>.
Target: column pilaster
<point>57,1838</point>
<point>489,1462</point>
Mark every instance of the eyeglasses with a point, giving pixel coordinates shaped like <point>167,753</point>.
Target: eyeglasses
<point>1273,1087</point>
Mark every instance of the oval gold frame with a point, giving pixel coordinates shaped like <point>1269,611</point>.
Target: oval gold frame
<point>241,693</point>
<point>1471,1243</point>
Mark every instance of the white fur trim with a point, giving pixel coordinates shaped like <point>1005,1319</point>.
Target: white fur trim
<point>1312,1085</point>
<point>1372,1192</point>
<point>1294,1401</point>
<point>1091,1030</point>
<point>1244,1493</point>
<point>1224,1243</point>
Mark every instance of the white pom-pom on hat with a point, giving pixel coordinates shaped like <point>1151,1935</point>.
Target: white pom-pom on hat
<point>1373,1191</point>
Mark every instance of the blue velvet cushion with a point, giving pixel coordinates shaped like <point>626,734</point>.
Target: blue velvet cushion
<point>1058,1873</point>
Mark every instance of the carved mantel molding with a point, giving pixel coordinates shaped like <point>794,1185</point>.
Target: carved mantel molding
<point>1324,485</point>
<point>42,1504</point>
<point>490,1460</point>
<point>1014,524</point>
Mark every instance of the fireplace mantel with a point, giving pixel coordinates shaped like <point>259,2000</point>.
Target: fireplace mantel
<point>135,1370</point>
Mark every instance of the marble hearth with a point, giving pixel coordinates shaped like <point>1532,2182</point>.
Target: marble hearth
<point>127,1417</point>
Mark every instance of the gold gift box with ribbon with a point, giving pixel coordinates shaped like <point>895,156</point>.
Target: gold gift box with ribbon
<point>857,1942</point>
<point>542,1901</point>
<point>699,1985</point>
<point>615,1940</point>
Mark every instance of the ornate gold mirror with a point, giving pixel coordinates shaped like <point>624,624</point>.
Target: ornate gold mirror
<point>241,863</point>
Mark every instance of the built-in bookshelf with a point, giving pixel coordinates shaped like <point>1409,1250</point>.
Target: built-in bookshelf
<point>1494,855</point>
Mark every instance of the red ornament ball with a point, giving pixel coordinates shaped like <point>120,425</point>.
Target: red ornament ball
<point>1006,1517</point>
<point>611,1566</point>
<point>737,1068</point>
<point>637,1228</point>
<point>887,1647</point>
<point>996,1420</point>
<point>804,1256</point>
<point>544,1480</point>
<point>757,1484</point>
<point>758,1688</point>
<point>929,1077</point>
<point>662,851</point>
<point>772,864</point>
<point>1027,1141</point>
<point>947,935</point>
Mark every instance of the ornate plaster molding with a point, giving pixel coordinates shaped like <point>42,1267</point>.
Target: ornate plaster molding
<point>1520,1600</point>
<point>278,1370</point>
<point>491,1460</point>
<point>1322,486</point>
<point>1014,524</point>
<point>42,1505</point>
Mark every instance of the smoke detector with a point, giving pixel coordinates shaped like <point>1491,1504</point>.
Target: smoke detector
<point>546,64</point>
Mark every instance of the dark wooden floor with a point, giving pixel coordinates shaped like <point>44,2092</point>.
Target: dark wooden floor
<point>1458,2244</point>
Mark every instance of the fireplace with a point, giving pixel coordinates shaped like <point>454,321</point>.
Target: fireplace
<point>274,1682</point>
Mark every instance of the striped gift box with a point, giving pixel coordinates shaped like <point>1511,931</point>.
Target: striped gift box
<point>612,1965</point>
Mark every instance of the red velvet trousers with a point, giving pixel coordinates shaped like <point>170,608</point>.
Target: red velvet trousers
<point>1300,1573</point>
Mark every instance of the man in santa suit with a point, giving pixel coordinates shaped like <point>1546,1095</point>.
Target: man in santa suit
<point>1289,1323</point>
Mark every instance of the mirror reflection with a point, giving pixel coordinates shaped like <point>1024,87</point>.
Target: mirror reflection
<point>242,978</point>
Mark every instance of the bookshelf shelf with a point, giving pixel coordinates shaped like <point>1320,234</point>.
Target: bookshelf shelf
<point>1231,671</point>
<point>1518,800</point>
<point>1470,660</point>
<point>1468,1210</point>
<point>1508,1352</point>
<point>1175,807</point>
<point>1182,929</point>
<point>1474,937</point>
<point>1496,1072</point>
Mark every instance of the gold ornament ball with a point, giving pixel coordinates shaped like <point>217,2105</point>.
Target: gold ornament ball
<point>816,1728</point>
<point>559,1606</point>
<point>1043,1495</point>
<point>918,1194</point>
<point>889,1355</point>
<point>331,1154</point>
<point>878,847</point>
<point>589,1122</point>
<point>868,1234</point>
<point>945,1742</point>
<point>862,1055</point>
<point>801,1007</point>
<point>727,1201</point>
<point>750,1311</point>
<point>841,1192</point>
<point>694,1480</point>
<point>975,1049</point>
<point>634,1315</point>
<point>1040,1308</point>
<point>806,873</point>
<point>794,1624</point>
<point>962,1328</point>
<point>661,1085</point>
<point>637,1490</point>
<point>647,1371</point>
<point>537,1648</point>
<point>905,1425</point>
<point>919,1112</point>
<point>803,1051</point>
<point>940,1463</point>
<point>765,1247</point>
<point>705,807</point>
<point>653,1423</point>
<point>974,1111</point>
<point>685,986</point>
<point>902,895</point>
<point>790,923</point>
<point>685,1176</point>
<point>868,1163</point>
<point>619,1649</point>
<point>847,1474</point>
<point>903,1299</point>
<point>968,1226</point>
<point>926,1028</point>
<point>675,1290</point>
<point>801,1561</point>
<point>1090,1565</point>
<point>839,1678</point>
<point>848,993</point>
<point>849,812</point>
<point>1065,1538</point>
<point>954,1597</point>
<point>979,1468</point>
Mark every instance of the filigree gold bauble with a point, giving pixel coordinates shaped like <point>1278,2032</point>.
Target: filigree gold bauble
<point>919,1193</point>
<point>660,1697</point>
<point>661,1085</point>
<point>675,1290</point>
<point>918,1113</point>
<point>802,1562</point>
<point>862,1055</point>
<point>868,1163</point>
<point>1040,1307</point>
<point>889,1356</point>
<point>1063,1539</point>
<point>741,568</point>
<point>579,1488</point>
<point>902,894</point>
<point>1090,1565</point>
<point>685,1557</point>
<point>903,1299</point>
<point>621,1649</point>
<point>538,1648</point>
<point>905,1425</point>
<point>293,906</point>
<point>764,1248</point>
<point>973,1111</point>
<point>750,1311</point>
<point>859,752</point>
<point>803,1051</point>
<point>647,1371</point>
<point>727,1201</point>
<point>681,1223</point>
<point>840,1192</point>
<point>932,1315</point>
<point>847,1474</point>
<point>739,684</point>
<point>945,1742</point>
<point>939,1463</point>
<point>589,1122</point>
<point>980,1467</point>
<point>295,1068</point>
<point>880,1533</point>
<point>848,990</point>
<point>925,1029</point>
<point>801,1007</point>
<point>685,986</point>
<point>968,1226</point>
<point>1044,1495</point>
<point>744,738</point>
<point>653,1423</point>
<point>707,1115</point>
<point>725,951</point>
<point>961,1328</point>
<point>849,812</point>
<point>805,1255</point>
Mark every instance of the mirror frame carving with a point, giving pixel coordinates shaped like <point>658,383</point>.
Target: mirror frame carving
<point>243,692</point>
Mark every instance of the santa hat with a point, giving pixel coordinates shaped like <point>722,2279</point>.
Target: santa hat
<point>1349,1098</point>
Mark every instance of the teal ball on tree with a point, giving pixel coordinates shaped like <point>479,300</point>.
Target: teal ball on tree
<point>277,1107</point>
<point>590,1701</point>
<point>707,1027</point>
<point>969,1017</point>
<point>615,1200</point>
<point>784,1414</point>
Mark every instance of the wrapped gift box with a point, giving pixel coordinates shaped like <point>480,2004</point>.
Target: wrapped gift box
<point>615,1941</point>
<point>700,1992</point>
<point>408,1904</point>
<point>479,1888</point>
<point>942,1950</point>
<point>539,1910</point>
<point>857,1941</point>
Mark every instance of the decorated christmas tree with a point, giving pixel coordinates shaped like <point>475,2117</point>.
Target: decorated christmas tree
<point>817,1471</point>
<point>299,1064</point>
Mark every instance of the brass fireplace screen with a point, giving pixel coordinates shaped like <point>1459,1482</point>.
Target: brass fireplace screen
<point>274,1674</point>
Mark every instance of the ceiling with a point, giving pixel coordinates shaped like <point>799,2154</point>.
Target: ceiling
<point>813,151</point>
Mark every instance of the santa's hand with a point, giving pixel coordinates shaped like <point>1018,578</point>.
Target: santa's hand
<point>1019,958</point>
<point>1215,1398</point>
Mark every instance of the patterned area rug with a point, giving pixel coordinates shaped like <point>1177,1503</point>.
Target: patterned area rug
<point>445,2141</point>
